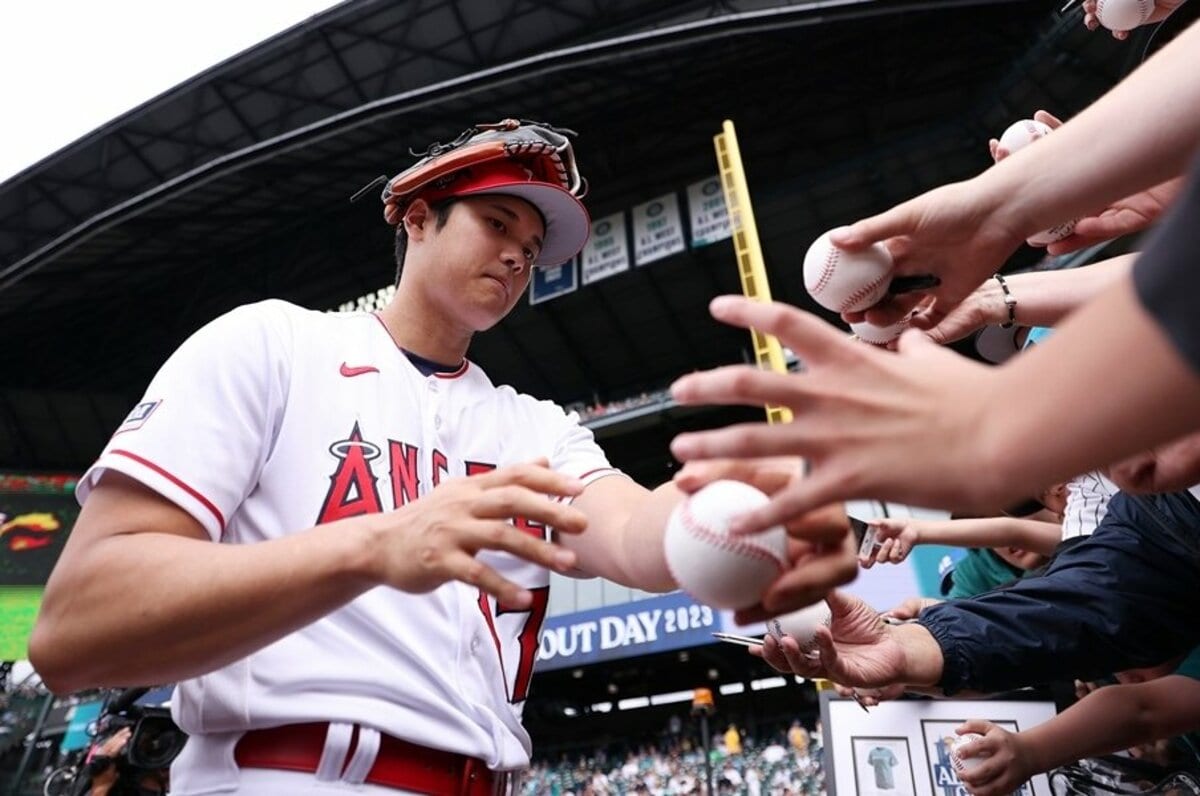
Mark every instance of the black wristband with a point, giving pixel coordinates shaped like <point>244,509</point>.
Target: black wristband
<point>1009,301</point>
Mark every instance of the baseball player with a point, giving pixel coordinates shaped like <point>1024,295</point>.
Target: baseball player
<point>371,616</point>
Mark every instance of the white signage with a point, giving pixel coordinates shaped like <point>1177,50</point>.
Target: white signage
<point>607,251</point>
<point>709,215</point>
<point>657,229</point>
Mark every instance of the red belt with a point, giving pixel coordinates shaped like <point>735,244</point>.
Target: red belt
<point>399,764</point>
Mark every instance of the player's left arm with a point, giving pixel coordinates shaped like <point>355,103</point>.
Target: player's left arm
<point>625,526</point>
<point>626,523</point>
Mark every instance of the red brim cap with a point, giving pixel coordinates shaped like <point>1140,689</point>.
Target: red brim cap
<point>566,219</point>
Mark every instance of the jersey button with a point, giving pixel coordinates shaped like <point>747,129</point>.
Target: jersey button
<point>474,643</point>
<point>437,421</point>
<point>432,385</point>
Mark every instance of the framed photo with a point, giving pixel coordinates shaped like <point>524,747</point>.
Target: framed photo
<point>882,766</point>
<point>899,748</point>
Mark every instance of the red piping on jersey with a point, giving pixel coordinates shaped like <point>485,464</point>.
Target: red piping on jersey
<point>466,363</point>
<point>203,500</point>
<point>461,370</point>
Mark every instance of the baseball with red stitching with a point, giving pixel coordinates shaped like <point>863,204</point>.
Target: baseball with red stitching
<point>714,567</point>
<point>801,625</point>
<point>1018,136</point>
<point>878,335</point>
<point>1122,15</point>
<point>845,281</point>
<point>957,742</point>
<point>1021,134</point>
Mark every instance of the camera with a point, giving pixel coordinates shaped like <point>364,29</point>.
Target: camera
<point>155,740</point>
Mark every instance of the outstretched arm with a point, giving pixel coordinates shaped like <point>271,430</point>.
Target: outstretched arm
<point>1044,298</point>
<point>626,523</point>
<point>1148,711</point>
<point>898,536</point>
<point>964,232</point>
<point>860,413</point>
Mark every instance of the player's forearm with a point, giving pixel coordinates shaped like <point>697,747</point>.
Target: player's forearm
<point>156,608</point>
<point>1045,298</point>
<point>624,538</point>
<point>1139,134</point>
<point>642,539</point>
<point>1153,401</point>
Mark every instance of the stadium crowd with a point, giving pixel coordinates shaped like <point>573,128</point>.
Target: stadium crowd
<point>787,762</point>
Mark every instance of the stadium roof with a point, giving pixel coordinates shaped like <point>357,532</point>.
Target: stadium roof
<point>234,186</point>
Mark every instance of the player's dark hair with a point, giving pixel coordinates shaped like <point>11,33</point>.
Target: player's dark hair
<point>441,212</point>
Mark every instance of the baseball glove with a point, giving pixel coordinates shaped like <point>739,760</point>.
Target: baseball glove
<point>542,149</point>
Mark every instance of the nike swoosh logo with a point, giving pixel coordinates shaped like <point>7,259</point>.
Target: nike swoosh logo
<point>359,370</point>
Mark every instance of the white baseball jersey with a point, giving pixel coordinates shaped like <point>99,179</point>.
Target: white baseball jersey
<point>273,419</point>
<point>1087,503</point>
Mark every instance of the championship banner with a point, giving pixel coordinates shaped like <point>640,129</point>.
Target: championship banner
<point>708,212</point>
<point>548,283</point>
<point>607,251</point>
<point>657,229</point>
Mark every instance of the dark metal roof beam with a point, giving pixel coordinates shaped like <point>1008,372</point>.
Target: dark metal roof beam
<point>466,32</point>
<point>249,129</point>
<point>282,94</point>
<point>336,54</point>
<point>137,155</point>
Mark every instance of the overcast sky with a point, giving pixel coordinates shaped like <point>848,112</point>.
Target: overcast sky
<point>69,66</point>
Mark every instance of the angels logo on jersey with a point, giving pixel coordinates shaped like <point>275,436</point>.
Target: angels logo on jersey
<point>354,491</point>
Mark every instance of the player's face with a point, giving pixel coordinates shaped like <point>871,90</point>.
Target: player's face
<point>483,257</point>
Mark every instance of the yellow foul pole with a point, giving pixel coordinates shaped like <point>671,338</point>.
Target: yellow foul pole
<point>751,268</point>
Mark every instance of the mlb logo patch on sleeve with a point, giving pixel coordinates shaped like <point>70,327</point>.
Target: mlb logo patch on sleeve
<point>138,417</point>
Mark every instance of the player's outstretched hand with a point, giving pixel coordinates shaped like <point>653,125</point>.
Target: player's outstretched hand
<point>1123,217</point>
<point>434,540</point>
<point>816,568</point>
<point>820,549</point>
<point>900,426</point>
<point>1005,763</point>
<point>827,525</point>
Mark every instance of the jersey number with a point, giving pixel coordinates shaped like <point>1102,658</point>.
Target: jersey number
<point>527,639</point>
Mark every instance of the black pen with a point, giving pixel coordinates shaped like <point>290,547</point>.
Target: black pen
<point>907,284</point>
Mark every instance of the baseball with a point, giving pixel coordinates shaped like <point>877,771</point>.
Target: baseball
<point>1018,136</point>
<point>720,570</point>
<point>1021,134</point>
<point>1121,15</point>
<point>878,335</point>
<point>845,281</point>
<point>962,764</point>
<point>801,625</point>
